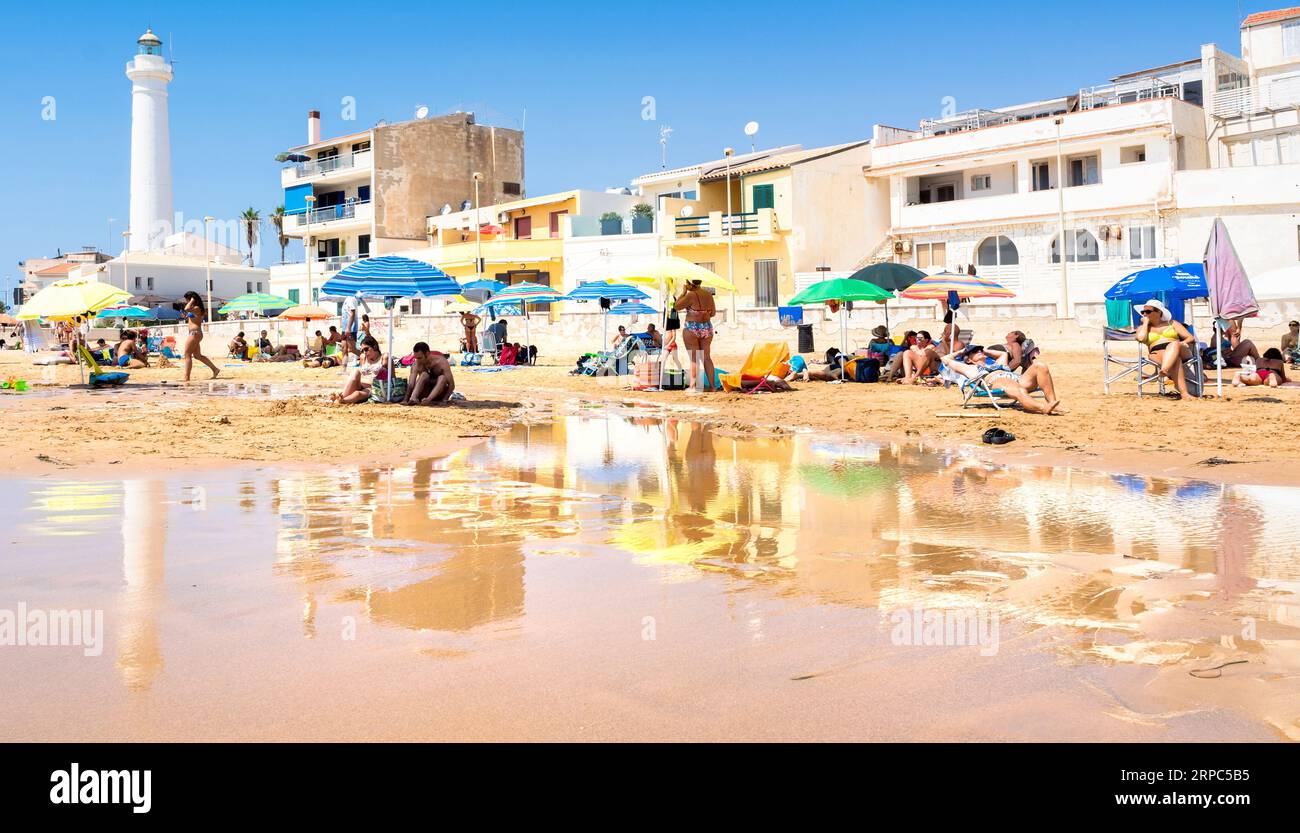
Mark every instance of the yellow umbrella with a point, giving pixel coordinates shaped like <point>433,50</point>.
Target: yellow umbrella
<point>71,297</point>
<point>670,272</point>
<point>306,312</point>
<point>459,303</point>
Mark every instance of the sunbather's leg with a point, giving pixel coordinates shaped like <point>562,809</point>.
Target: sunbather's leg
<point>1039,377</point>
<point>1240,352</point>
<point>1029,403</point>
<point>1171,364</point>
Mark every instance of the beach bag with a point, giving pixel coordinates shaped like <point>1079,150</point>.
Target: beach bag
<point>866,370</point>
<point>379,390</point>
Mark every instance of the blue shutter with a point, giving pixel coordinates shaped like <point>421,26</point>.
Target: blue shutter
<point>295,198</point>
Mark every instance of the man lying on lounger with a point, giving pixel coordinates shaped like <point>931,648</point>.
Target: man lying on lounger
<point>431,382</point>
<point>974,361</point>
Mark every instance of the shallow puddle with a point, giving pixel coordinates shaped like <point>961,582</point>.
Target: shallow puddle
<point>612,573</point>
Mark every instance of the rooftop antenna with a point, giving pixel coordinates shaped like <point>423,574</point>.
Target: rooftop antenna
<point>664,133</point>
<point>751,130</point>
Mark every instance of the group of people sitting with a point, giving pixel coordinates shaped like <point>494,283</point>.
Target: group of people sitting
<point>429,382</point>
<point>1171,344</point>
<point>266,351</point>
<point>1014,368</point>
<point>130,352</point>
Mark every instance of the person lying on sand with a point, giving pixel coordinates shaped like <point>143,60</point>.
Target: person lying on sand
<point>800,371</point>
<point>373,368</point>
<point>431,381</point>
<point>1269,370</point>
<point>974,361</point>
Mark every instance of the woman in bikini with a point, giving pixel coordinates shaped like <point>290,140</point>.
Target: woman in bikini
<point>697,330</point>
<point>1168,342</point>
<point>195,314</point>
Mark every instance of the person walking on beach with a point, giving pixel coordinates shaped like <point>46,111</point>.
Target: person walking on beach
<point>698,305</point>
<point>195,314</point>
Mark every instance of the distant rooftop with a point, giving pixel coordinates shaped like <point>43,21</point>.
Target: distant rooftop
<point>1274,16</point>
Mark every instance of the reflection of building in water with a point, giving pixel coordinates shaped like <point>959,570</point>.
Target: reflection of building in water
<point>144,545</point>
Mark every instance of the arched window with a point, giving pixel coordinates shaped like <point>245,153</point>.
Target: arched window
<point>1080,247</point>
<point>997,251</point>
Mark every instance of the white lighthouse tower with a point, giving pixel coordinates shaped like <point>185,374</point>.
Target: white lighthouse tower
<point>151,157</point>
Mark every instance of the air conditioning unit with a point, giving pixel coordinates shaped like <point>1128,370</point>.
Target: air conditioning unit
<point>1117,232</point>
<point>902,247</point>
<point>1104,232</point>
<point>898,247</point>
<point>503,218</point>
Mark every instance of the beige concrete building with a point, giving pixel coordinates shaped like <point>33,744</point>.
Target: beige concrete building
<point>371,192</point>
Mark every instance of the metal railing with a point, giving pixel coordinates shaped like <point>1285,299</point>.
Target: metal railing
<point>342,211</point>
<point>734,224</point>
<point>1245,101</point>
<point>968,120</point>
<point>329,164</point>
<point>1140,89</point>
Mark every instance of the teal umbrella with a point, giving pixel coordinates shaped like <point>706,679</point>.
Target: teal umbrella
<point>122,313</point>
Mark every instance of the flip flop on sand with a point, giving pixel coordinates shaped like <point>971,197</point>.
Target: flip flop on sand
<point>996,436</point>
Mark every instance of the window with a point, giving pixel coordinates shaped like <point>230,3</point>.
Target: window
<point>765,283</point>
<point>259,286</point>
<point>1142,243</point>
<point>1083,170</point>
<point>1291,39</point>
<point>1040,177</point>
<point>929,255</point>
<point>363,193</point>
<point>981,182</point>
<point>997,251</point>
<point>945,193</point>
<point>511,188</point>
<point>209,285</point>
<point>357,147</point>
<point>764,197</point>
<point>249,286</point>
<point>415,306</point>
<point>293,295</point>
<point>363,245</point>
<point>148,283</point>
<point>1131,155</point>
<point>138,280</point>
<point>1080,247</point>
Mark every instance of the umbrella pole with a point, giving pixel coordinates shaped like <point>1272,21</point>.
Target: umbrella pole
<point>388,383</point>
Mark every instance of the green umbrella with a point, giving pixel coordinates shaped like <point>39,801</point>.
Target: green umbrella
<point>892,276</point>
<point>840,289</point>
<point>259,302</point>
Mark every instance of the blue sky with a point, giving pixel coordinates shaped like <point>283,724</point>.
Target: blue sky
<point>246,74</point>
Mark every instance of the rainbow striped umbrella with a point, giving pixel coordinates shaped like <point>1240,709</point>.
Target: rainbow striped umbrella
<point>937,287</point>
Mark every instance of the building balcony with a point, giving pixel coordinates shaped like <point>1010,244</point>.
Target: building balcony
<point>717,227</point>
<point>1124,188</point>
<point>331,218</point>
<point>1256,100</point>
<point>343,166</point>
<point>499,255</point>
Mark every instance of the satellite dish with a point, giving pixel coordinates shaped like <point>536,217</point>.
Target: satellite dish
<point>446,209</point>
<point>687,210</point>
<point>751,128</point>
<point>381,123</point>
<point>422,111</point>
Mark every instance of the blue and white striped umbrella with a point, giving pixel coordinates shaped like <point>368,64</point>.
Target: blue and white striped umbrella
<point>613,291</point>
<point>632,308</point>
<point>390,276</point>
<point>527,293</point>
<point>486,283</point>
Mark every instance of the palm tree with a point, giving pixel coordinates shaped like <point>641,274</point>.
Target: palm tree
<point>277,220</point>
<point>251,220</point>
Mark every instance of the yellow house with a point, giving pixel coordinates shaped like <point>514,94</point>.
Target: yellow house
<point>792,211</point>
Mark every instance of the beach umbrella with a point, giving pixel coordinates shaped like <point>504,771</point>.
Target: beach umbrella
<point>632,308</point>
<point>122,313</point>
<point>526,293</point>
<point>161,313</point>
<point>71,297</point>
<point>388,278</point>
<point>258,302</point>
<point>1229,288</point>
<point>609,291</point>
<point>892,276</point>
<point>305,313</point>
<point>1172,285</point>
<point>953,288</point>
<point>840,290</point>
<point>7,320</point>
<point>669,272</point>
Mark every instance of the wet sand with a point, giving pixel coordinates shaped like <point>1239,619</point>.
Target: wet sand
<point>601,573</point>
<point>1244,438</point>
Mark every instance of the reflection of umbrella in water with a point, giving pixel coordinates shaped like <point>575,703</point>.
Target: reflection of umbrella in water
<point>654,541</point>
<point>847,479</point>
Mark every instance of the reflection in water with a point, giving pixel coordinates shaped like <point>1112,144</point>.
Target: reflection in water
<point>1105,569</point>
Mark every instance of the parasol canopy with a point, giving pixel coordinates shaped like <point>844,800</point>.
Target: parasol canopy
<point>938,287</point>
<point>71,297</point>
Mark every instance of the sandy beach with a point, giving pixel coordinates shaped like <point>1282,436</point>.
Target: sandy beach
<point>280,412</point>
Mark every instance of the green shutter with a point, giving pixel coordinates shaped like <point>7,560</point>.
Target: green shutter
<point>293,295</point>
<point>763,197</point>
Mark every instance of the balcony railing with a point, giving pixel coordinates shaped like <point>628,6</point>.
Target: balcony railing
<point>969,120</point>
<point>342,211</point>
<point>337,262</point>
<point>733,224</point>
<point>1141,89</point>
<point>330,164</point>
<point>1246,101</point>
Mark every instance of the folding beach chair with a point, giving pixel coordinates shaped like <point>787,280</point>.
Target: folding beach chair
<point>98,378</point>
<point>617,362</point>
<point>766,359</point>
<point>1193,368</point>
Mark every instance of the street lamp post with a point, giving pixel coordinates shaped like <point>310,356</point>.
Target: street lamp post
<point>207,262</point>
<point>731,263</point>
<point>126,259</point>
<point>478,231</point>
<point>306,246</point>
<point>1063,307</point>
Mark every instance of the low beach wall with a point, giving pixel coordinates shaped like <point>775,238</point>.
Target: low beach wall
<point>571,332</point>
